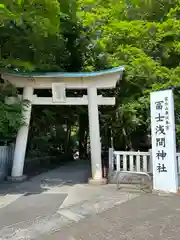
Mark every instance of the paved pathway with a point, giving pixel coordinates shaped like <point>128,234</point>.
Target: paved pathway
<point>147,217</point>
<point>50,201</point>
<point>60,205</point>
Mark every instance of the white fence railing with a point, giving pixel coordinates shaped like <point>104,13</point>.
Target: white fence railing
<point>133,161</point>
<point>6,157</point>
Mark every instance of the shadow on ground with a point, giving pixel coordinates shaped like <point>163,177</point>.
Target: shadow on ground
<point>68,175</point>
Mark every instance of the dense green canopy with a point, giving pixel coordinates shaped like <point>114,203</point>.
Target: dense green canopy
<point>74,36</point>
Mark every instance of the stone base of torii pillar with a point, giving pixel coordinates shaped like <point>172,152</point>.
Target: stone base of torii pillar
<point>101,181</point>
<point>17,179</point>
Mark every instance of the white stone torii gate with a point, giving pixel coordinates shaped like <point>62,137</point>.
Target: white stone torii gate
<point>59,82</point>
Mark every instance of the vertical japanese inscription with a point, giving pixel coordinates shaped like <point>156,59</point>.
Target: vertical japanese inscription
<point>160,134</point>
<point>166,113</point>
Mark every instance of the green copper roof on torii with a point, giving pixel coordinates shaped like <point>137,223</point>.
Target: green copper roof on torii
<point>68,75</point>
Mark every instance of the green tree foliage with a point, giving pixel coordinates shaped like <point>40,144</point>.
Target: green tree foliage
<point>142,35</point>
<point>10,115</point>
<point>24,25</point>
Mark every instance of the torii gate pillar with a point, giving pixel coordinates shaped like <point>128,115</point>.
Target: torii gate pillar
<point>22,136</point>
<point>96,165</point>
<point>58,82</point>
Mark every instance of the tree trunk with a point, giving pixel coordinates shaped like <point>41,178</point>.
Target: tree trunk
<point>68,137</point>
<point>83,135</point>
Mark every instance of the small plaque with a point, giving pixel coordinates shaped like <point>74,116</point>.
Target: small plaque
<point>58,92</point>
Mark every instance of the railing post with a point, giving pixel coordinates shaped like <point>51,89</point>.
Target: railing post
<point>111,153</point>
<point>138,163</point>
<point>124,162</point>
<point>131,162</point>
<point>118,162</point>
